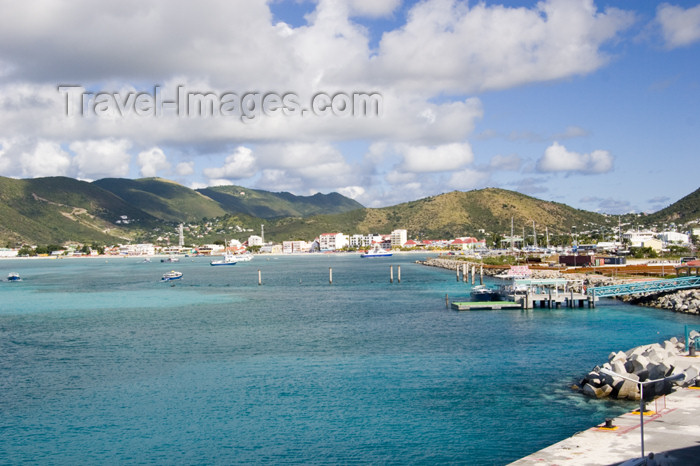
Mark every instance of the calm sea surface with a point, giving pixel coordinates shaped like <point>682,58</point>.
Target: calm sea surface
<point>101,363</point>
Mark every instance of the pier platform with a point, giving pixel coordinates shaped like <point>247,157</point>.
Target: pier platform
<point>671,433</point>
<point>485,305</point>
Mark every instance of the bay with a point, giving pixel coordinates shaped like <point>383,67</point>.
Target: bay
<point>103,363</point>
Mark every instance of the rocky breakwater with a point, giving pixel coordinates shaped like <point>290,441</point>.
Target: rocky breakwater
<point>647,362</point>
<point>445,262</point>
<point>686,301</point>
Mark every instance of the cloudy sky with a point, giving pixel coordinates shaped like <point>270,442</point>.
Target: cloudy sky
<point>591,103</point>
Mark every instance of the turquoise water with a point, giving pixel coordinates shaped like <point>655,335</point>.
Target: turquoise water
<point>102,363</point>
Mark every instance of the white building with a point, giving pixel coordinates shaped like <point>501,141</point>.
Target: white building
<point>358,241</point>
<point>254,240</point>
<point>137,249</point>
<point>333,241</point>
<point>292,247</point>
<point>4,252</point>
<point>637,238</point>
<point>398,238</point>
<point>673,237</point>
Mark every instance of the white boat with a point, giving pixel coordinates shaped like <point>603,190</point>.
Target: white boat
<point>14,277</point>
<point>172,275</point>
<point>170,259</point>
<point>229,259</point>
<point>244,257</point>
<point>377,252</point>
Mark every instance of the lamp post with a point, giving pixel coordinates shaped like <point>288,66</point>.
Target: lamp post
<point>673,378</point>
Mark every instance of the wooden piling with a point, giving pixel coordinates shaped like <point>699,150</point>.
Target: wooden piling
<point>330,275</point>
<point>259,277</point>
<point>398,268</point>
<point>391,274</point>
<point>481,274</point>
<point>465,273</point>
<point>473,274</point>
<point>447,301</point>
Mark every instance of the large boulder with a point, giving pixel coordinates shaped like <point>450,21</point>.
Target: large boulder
<point>637,362</point>
<point>626,389</point>
<point>619,367</point>
<point>658,371</point>
<point>597,392</point>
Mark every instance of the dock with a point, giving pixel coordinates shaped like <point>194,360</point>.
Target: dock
<point>485,305</point>
<point>556,300</point>
<point>529,301</point>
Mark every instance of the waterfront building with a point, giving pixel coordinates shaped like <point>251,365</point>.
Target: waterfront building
<point>146,249</point>
<point>398,238</point>
<point>332,241</point>
<point>255,240</point>
<point>291,247</point>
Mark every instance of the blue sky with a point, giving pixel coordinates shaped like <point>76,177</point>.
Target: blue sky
<point>592,103</point>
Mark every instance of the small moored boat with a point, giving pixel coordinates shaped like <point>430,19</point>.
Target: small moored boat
<point>229,259</point>
<point>172,275</point>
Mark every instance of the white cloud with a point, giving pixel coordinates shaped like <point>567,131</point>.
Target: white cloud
<point>45,159</point>
<point>467,179</point>
<point>184,168</point>
<point>152,161</point>
<point>241,164</point>
<point>352,192</point>
<point>449,46</point>
<point>679,26</point>
<point>557,158</point>
<point>373,8</point>
<point>422,159</point>
<point>102,158</point>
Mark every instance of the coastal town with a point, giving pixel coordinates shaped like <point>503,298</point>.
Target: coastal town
<point>633,242</point>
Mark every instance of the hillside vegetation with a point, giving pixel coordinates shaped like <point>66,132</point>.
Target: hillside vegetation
<point>59,209</point>
<point>113,210</point>
<point>451,215</point>
<point>268,205</point>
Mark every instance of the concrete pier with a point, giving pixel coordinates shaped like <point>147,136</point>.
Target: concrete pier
<point>671,432</point>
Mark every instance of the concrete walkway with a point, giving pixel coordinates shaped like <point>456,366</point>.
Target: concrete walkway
<point>671,432</point>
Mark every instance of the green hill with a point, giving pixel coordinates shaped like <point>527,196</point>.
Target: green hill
<point>163,199</point>
<point>686,209</point>
<point>450,215</point>
<point>60,209</point>
<point>265,204</point>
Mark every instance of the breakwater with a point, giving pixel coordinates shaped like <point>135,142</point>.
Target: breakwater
<point>685,301</point>
<point>647,362</point>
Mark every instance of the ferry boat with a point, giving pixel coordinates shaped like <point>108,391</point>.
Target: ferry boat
<point>172,275</point>
<point>377,252</point>
<point>14,277</point>
<point>229,259</point>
